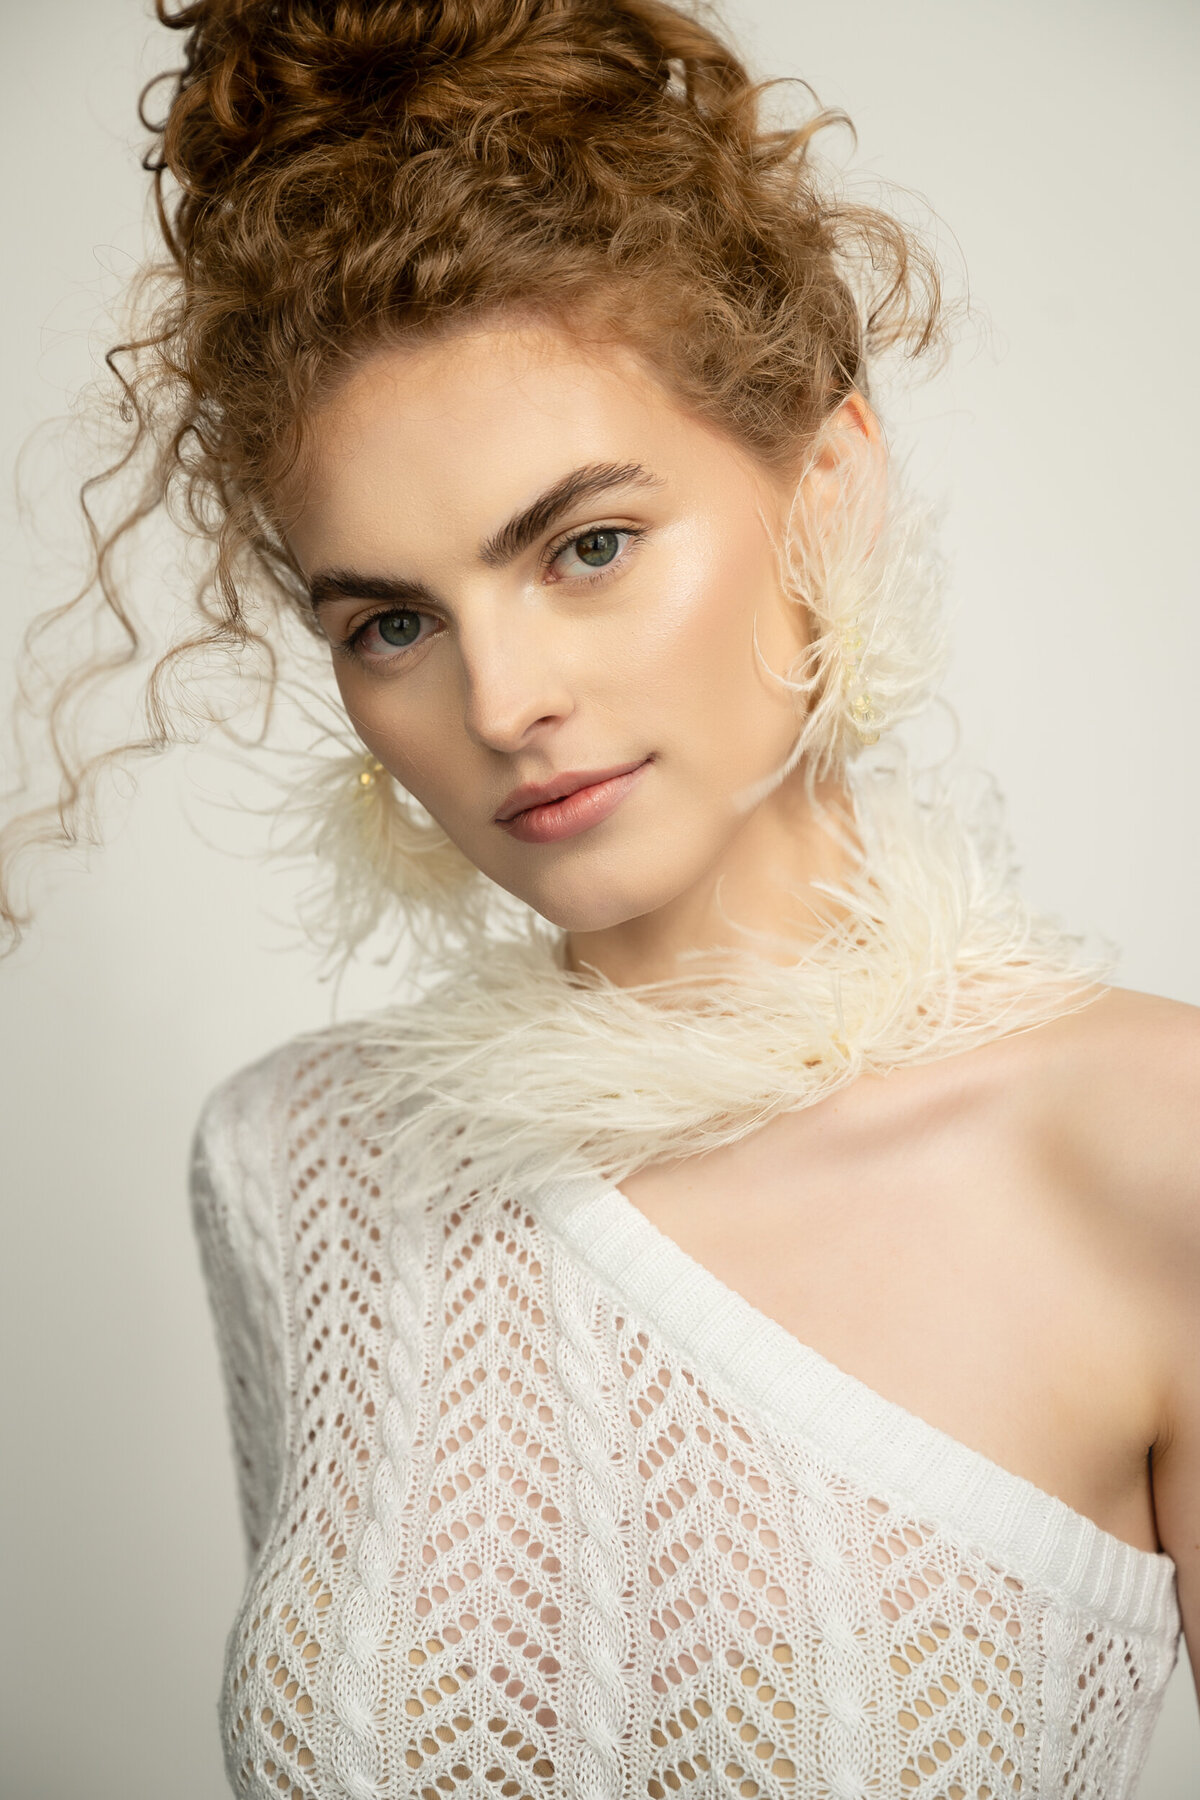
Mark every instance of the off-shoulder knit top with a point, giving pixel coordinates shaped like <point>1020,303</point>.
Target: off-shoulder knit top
<point>536,1506</point>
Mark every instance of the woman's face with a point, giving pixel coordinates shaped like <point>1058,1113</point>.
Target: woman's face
<point>534,568</point>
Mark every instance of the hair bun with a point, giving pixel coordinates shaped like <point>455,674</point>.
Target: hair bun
<point>264,80</point>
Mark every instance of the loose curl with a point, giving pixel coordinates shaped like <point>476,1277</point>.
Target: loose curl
<point>335,175</point>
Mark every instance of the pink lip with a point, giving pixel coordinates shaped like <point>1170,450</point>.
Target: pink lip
<point>533,793</point>
<point>573,810</point>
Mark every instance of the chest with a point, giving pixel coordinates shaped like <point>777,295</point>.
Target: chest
<point>529,1538</point>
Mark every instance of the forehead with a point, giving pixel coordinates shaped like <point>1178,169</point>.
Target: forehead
<point>445,438</point>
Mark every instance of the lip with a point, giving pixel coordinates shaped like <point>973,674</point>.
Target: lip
<point>533,793</point>
<point>571,803</point>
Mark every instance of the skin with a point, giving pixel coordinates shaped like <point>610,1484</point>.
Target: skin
<point>1048,1182</point>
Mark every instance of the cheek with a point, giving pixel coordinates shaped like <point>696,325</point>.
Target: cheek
<point>413,733</point>
<point>700,662</point>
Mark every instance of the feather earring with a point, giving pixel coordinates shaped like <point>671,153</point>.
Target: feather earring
<point>872,590</point>
<point>383,861</point>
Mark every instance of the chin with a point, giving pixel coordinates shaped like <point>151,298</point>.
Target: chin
<point>587,917</point>
<point>599,905</point>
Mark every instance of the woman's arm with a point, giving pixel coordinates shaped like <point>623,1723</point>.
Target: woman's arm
<point>1170,1141</point>
<point>1130,1093</point>
<point>234,1203</point>
<point>1176,1469</point>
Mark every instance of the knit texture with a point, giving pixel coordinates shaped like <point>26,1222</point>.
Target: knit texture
<point>535,1506</point>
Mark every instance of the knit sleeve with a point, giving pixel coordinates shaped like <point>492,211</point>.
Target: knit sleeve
<point>235,1217</point>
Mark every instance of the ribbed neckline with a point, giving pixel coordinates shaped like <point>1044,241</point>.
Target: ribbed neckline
<point>1040,1539</point>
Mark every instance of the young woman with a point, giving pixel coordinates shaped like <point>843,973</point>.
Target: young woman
<point>733,1333</point>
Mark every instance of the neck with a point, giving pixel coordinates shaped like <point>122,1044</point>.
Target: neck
<point>763,883</point>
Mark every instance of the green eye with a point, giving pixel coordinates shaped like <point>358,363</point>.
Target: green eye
<point>597,548</point>
<point>399,628</point>
<point>593,550</point>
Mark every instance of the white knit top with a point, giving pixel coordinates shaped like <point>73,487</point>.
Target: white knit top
<point>536,1506</point>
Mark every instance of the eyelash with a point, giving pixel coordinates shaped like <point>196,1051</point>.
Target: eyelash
<point>353,643</point>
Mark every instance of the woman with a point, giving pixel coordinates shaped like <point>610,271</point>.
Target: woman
<point>623,1398</point>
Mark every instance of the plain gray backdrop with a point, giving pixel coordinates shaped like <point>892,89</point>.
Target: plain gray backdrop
<point>1056,142</point>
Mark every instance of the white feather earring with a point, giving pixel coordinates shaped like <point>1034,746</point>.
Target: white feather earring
<point>872,587</point>
<point>383,860</point>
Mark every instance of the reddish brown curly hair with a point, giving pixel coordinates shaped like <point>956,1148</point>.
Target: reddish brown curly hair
<point>333,174</point>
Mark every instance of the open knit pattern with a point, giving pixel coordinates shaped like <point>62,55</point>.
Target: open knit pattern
<point>535,1506</point>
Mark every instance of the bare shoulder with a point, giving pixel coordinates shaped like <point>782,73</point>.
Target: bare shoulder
<point>1118,1090</point>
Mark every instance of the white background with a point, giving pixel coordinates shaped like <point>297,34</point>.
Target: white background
<point>1057,142</point>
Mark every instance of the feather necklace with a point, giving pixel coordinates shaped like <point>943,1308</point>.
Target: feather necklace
<point>513,1070</point>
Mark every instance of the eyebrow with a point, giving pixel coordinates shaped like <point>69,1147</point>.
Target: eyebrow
<point>350,584</point>
<point>581,484</point>
<point>504,545</point>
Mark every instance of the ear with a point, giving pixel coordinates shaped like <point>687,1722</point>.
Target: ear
<point>845,470</point>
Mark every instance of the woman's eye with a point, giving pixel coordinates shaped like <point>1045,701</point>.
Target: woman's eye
<point>397,630</point>
<point>589,552</point>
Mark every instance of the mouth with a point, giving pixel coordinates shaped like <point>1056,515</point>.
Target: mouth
<point>571,803</point>
<point>569,782</point>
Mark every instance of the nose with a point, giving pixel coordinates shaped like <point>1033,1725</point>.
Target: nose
<point>514,680</point>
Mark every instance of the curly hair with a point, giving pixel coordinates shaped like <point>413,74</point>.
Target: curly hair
<point>331,175</point>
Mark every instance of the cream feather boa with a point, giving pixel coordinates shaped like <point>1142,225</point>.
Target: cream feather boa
<point>512,1070</point>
